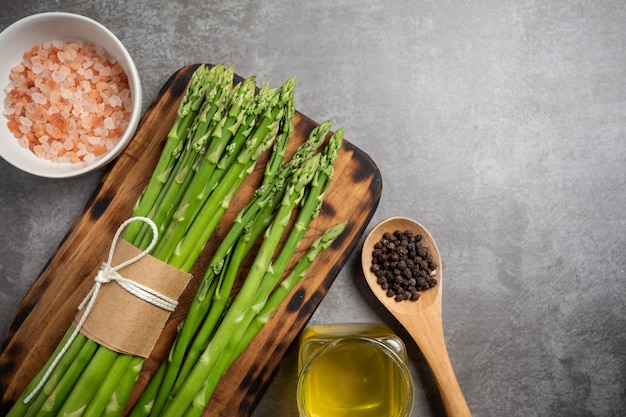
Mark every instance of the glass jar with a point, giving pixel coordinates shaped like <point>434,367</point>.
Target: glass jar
<point>353,370</point>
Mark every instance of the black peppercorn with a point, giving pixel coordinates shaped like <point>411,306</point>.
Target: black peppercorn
<point>403,265</point>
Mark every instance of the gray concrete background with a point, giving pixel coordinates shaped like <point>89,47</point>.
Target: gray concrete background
<point>499,125</point>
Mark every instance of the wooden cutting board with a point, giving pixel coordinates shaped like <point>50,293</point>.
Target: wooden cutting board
<point>49,307</point>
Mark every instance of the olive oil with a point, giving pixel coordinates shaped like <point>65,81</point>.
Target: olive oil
<point>356,370</point>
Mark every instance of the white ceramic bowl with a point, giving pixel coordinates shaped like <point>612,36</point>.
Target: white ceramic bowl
<point>21,36</point>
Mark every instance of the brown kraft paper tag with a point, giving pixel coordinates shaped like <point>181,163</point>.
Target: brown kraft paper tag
<point>123,322</point>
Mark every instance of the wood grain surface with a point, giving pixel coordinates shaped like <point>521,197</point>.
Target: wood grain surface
<point>50,305</point>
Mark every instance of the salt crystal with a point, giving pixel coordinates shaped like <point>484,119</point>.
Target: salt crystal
<point>58,76</point>
<point>46,147</point>
<point>30,108</point>
<point>115,101</point>
<point>55,97</point>
<point>66,93</point>
<point>90,106</point>
<point>38,68</point>
<point>39,98</point>
<point>40,83</point>
<point>38,149</point>
<point>25,122</point>
<point>55,147</point>
<point>114,87</point>
<point>109,123</point>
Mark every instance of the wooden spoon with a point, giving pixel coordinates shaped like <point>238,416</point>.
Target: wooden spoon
<point>421,318</point>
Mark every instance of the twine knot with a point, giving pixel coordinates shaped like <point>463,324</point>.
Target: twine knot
<point>106,274</point>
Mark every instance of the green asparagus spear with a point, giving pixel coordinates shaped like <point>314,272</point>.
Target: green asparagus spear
<point>198,139</point>
<point>201,80</point>
<point>106,388</point>
<point>118,399</point>
<point>30,408</point>
<point>64,387</point>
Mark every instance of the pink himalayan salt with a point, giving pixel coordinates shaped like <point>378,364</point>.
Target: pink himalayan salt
<point>67,101</point>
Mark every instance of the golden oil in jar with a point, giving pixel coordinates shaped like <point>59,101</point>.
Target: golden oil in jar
<point>353,370</point>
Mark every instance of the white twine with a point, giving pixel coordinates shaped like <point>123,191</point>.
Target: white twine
<point>106,274</point>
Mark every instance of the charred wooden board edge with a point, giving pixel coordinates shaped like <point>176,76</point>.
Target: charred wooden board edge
<point>100,200</point>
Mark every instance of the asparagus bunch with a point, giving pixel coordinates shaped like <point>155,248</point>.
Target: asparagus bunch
<point>220,131</point>
<point>215,332</point>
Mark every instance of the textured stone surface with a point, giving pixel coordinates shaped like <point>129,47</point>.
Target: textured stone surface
<point>499,125</point>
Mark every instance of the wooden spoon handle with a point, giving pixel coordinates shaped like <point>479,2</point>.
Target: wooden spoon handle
<point>428,334</point>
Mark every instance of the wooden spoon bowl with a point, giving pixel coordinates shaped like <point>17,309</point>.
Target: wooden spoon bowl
<point>421,318</point>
